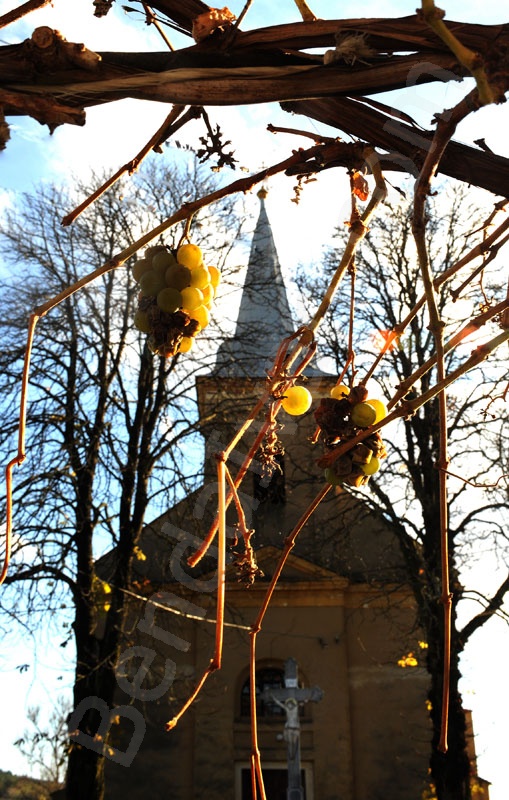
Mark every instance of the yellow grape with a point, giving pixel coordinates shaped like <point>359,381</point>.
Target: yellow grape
<point>169,300</point>
<point>363,415</point>
<point>200,277</point>
<point>380,409</point>
<point>339,392</point>
<point>191,298</point>
<point>215,276</point>
<point>190,255</point>
<point>297,400</point>
<point>208,294</point>
<point>371,467</point>
<point>186,344</point>
<point>201,315</point>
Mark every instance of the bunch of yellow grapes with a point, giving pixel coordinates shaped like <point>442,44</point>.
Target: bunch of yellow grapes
<point>340,417</point>
<point>176,294</point>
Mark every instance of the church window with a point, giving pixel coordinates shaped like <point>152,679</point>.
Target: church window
<point>273,488</point>
<point>266,678</point>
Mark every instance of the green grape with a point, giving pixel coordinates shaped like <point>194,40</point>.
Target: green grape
<point>371,467</point>
<point>190,255</point>
<point>162,260</point>
<point>140,267</point>
<point>151,251</point>
<point>186,344</point>
<point>331,477</point>
<point>339,392</point>
<point>201,315</point>
<point>363,415</point>
<point>169,300</point>
<point>200,277</point>
<point>215,276</point>
<point>380,409</point>
<point>141,321</point>
<point>151,283</point>
<point>297,400</point>
<point>191,298</point>
<point>178,277</point>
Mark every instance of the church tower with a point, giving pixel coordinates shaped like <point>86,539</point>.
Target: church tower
<point>228,394</point>
<point>264,317</point>
<point>346,542</point>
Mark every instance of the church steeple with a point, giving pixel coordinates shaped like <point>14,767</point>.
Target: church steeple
<point>264,317</point>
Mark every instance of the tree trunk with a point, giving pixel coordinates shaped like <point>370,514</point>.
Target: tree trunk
<point>95,682</point>
<point>450,771</point>
<point>85,775</point>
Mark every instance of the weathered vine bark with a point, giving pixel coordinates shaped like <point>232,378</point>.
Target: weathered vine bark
<point>54,80</point>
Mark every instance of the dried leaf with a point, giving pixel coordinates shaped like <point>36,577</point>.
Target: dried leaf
<point>207,23</point>
<point>360,186</point>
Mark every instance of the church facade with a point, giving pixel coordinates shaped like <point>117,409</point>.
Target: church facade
<point>341,611</point>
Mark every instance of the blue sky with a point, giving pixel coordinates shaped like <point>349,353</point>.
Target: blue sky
<point>112,135</point>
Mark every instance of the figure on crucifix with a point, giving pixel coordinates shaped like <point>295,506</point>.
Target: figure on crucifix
<point>292,725</point>
<point>290,698</point>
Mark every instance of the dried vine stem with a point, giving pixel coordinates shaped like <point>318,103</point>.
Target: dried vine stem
<point>255,760</point>
<point>242,185</point>
<point>215,662</point>
<point>21,11</point>
<point>242,14</point>
<point>492,254</point>
<point>468,328</point>
<point>305,11</point>
<point>472,61</point>
<point>20,456</point>
<point>408,407</point>
<point>275,378</point>
<point>277,381</point>
<point>358,228</point>
<point>298,132</point>
<point>445,128</point>
<point>257,624</point>
<point>168,127</point>
<point>284,361</point>
<point>488,245</point>
<point>152,20</point>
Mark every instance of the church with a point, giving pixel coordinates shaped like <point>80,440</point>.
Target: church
<point>339,636</point>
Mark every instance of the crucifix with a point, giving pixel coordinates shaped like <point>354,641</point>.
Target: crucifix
<point>290,698</point>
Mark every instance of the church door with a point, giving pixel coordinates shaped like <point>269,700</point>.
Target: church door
<point>275,780</point>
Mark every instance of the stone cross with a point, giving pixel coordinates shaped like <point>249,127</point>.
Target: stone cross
<point>289,698</point>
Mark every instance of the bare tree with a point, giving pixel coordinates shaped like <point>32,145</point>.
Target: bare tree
<point>109,426</point>
<point>405,491</point>
<point>45,746</point>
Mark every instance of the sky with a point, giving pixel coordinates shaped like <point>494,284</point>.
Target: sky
<point>111,136</point>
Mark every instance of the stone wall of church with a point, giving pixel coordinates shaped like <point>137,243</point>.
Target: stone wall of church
<point>367,738</point>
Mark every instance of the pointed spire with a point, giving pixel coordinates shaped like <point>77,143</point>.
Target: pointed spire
<point>264,315</point>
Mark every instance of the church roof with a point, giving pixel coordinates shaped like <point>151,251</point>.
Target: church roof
<point>264,316</point>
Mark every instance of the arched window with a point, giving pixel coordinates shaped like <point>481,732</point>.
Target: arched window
<point>266,678</point>
<point>273,489</point>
